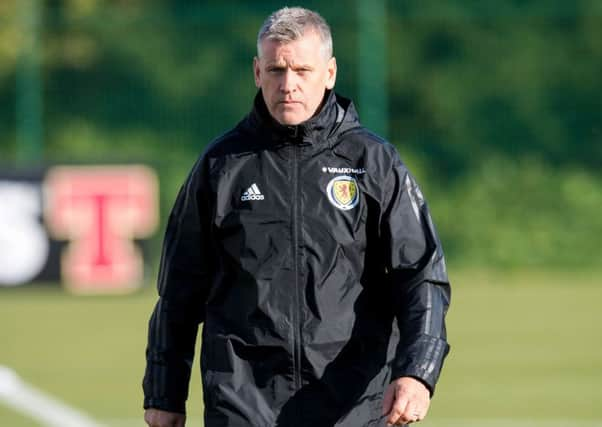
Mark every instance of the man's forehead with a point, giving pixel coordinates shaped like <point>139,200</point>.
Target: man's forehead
<point>292,59</point>
<point>284,60</point>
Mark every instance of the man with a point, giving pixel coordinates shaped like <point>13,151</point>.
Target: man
<point>305,247</point>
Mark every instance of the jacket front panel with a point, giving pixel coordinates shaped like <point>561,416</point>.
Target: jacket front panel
<point>299,317</point>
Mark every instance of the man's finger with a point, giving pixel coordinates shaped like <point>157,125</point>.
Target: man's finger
<point>411,414</point>
<point>412,399</point>
<point>399,407</point>
<point>388,400</point>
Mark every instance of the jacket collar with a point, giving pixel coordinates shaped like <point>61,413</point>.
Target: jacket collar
<point>317,129</point>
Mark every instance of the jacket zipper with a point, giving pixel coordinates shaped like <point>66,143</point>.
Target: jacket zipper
<point>297,292</point>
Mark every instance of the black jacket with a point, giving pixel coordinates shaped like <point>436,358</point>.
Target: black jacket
<point>309,254</point>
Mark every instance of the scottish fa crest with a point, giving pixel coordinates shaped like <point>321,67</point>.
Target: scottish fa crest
<point>343,192</point>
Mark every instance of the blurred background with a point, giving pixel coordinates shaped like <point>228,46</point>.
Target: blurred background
<point>495,106</point>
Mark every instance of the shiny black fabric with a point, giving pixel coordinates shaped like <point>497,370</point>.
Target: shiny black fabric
<point>309,254</point>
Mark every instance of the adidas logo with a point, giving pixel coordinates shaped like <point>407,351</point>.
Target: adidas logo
<point>252,193</point>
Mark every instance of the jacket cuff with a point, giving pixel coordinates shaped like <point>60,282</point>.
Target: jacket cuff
<point>165,404</point>
<point>165,387</point>
<point>422,359</point>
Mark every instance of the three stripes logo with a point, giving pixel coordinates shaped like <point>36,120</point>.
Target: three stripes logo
<point>252,193</point>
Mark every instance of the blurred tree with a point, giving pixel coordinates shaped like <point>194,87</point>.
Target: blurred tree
<point>513,78</point>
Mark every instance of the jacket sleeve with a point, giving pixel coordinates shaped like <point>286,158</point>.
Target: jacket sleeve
<point>418,279</point>
<point>184,278</point>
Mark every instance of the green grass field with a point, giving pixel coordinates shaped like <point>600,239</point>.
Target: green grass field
<point>526,351</point>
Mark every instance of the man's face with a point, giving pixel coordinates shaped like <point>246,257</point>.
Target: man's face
<point>293,77</point>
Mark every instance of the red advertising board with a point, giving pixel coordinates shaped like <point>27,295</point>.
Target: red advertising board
<point>96,212</point>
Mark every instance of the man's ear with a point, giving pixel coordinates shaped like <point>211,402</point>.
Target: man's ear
<point>257,72</point>
<point>331,73</point>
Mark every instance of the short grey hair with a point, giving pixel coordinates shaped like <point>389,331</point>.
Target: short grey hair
<point>290,23</point>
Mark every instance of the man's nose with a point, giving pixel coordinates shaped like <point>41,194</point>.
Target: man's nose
<point>289,81</point>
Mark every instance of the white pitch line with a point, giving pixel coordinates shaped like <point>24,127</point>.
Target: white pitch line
<point>36,404</point>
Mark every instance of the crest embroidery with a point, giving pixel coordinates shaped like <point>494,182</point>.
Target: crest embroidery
<point>343,192</point>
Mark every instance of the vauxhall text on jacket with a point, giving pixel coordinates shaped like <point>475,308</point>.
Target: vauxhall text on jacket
<point>309,255</point>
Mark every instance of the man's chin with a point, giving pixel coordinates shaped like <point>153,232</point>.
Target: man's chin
<point>290,119</point>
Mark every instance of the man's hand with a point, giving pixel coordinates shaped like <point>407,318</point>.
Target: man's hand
<point>158,418</point>
<point>406,401</point>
